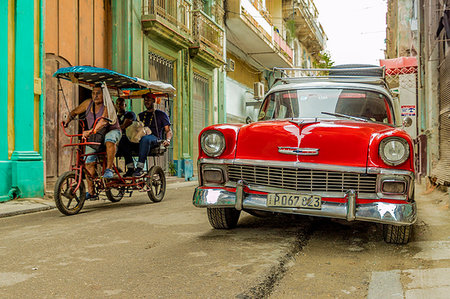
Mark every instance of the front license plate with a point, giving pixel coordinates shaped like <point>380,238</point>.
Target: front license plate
<point>290,200</point>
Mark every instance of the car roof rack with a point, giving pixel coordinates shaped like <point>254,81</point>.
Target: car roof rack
<point>339,74</point>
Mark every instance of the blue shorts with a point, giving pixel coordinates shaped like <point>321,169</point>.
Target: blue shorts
<point>112,136</point>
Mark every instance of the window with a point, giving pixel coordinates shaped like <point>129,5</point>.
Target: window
<point>310,103</point>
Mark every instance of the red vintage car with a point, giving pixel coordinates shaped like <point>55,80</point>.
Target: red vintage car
<point>327,146</point>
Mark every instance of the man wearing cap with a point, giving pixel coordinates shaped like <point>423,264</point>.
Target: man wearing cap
<point>158,122</point>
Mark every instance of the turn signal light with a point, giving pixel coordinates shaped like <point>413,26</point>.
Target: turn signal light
<point>213,176</point>
<point>394,187</point>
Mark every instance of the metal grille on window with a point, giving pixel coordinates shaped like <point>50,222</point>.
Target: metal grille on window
<point>161,69</point>
<point>200,103</point>
<point>441,170</point>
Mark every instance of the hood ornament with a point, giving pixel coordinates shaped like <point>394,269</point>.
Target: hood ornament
<point>298,151</point>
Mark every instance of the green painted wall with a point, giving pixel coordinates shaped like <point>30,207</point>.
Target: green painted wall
<point>5,165</point>
<point>3,81</point>
<point>23,175</point>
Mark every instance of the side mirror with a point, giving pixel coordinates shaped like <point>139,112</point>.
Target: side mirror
<point>407,122</point>
<point>248,120</point>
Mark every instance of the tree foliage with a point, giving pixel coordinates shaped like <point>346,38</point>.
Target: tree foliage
<point>325,61</point>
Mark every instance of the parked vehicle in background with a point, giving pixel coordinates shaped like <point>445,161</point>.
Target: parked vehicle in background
<point>328,145</point>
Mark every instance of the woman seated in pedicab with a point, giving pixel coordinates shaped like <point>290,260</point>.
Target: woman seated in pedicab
<point>101,119</point>
<point>158,123</point>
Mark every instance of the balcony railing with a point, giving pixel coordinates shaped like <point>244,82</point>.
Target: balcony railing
<point>282,45</point>
<point>264,12</point>
<point>208,32</point>
<point>177,12</point>
<point>312,13</point>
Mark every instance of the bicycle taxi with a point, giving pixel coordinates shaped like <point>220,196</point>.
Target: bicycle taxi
<point>70,190</point>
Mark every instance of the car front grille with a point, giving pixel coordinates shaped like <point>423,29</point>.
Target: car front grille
<point>303,179</point>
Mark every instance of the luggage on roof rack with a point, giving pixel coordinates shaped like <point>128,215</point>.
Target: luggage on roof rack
<point>348,73</point>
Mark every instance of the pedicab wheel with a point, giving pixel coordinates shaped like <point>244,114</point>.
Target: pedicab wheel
<point>223,218</point>
<point>67,201</point>
<point>156,181</point>
<point>115,194</point>
<point>396,234</point>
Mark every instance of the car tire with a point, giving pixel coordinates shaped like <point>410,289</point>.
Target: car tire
<point>397,234</point>
<point>358,70</point>
<point>223,218</point>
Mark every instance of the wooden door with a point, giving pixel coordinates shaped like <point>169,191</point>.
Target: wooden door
<point>57,105</point>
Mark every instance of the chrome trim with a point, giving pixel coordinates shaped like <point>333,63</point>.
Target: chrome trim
<point>387,213</point>
<point>351,204</point>
<point>302,180</point>
<point>298,151</point>
<point>313,166</point>
<point>370,196</point>
<point>389,171</point>
<point>239,195</point>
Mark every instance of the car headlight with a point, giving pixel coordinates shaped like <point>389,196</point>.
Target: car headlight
<point>213,143</point>
<point>394,150</point>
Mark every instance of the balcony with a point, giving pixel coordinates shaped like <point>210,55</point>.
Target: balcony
<point>309,30</point>
<point>208,36</point>
<point>251,31</point>
<point>170,19</point>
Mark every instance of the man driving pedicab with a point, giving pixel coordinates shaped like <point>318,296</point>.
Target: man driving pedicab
<point>158,122</point>
<point>97,109</point>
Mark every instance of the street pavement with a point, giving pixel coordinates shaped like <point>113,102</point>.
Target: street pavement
<point>31,205</point>
<point>139,249</point>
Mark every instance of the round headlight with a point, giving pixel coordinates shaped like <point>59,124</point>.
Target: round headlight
<point>394,150</point>
<point>213,143</point>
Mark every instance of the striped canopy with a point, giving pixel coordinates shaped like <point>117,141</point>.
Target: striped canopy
<point>89,75</point>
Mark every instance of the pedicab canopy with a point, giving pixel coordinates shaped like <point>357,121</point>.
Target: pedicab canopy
<point>118,84</point>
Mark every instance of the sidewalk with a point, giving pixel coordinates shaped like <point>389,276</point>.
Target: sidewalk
<point>30,205</point>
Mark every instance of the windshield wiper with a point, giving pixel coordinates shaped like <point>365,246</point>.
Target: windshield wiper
<point>346,116</point>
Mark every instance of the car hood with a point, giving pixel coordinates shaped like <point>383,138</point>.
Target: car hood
<point>338,142</point>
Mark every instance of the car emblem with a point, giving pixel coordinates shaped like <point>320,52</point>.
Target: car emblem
<point>298,151</point>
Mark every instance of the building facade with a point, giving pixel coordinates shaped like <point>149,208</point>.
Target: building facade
<point>262,35</point>
<point>421,28</point>
<point>434,87</point>
<point>77,32</point>
<point>181,42</point>
<point>22,99</point>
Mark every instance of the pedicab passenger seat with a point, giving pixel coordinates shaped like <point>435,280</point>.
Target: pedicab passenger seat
<point>154,152</point>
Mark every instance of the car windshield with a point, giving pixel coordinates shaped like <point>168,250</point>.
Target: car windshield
<point>327,103</point>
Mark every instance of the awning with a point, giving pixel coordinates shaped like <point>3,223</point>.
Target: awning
<point>400,65</point>
<point>90,75</point>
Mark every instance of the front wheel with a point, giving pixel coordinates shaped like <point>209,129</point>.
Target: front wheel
<point>68,201</point>
<point>156,182</point>
<point>221,218</point>
<point>396,234</point>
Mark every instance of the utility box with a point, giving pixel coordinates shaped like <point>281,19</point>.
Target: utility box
<point>188,169</point>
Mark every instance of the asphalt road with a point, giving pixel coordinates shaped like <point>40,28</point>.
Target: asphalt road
<point>136,248</point>
<point>139,249</point>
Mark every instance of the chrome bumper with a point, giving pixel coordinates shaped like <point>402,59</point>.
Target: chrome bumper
<point>387,213</point>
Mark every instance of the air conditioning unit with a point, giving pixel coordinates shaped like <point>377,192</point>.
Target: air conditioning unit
<point>258,90</point>
<point>230,65</point>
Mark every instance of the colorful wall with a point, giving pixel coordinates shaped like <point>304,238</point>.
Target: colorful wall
<point>21,96</point>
